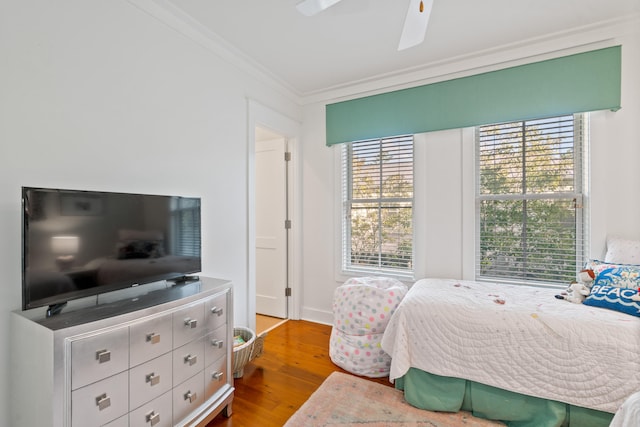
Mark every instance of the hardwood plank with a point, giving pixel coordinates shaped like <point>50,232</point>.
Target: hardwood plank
<point>294,364</point>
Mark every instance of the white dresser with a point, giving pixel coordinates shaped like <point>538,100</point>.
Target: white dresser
<point>156,356</point>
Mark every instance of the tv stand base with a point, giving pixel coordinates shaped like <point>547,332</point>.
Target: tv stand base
<point>55,309</point>
<point>184,279</point>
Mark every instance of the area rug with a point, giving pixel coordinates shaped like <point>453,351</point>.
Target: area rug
<point>347,400</point>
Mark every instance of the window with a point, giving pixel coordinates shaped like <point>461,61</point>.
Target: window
<point>185,223</point>
<point>529,195</point>
<point>377,206</point>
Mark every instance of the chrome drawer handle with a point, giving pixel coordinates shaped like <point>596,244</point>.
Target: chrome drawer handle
<point>103,356</point>
<point>103,401</point>
<point>192,323</point>
<point>217,343</point>
<point>191,397</point>
<point>153,379</point>
<point>217,375</point>
<point>191,360</point>
<point>153,338</point>
<point>217,310</point>
<point>153,418</point>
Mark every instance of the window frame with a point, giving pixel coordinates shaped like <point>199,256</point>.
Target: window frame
<point>345,269</point>
<point>579,195</point>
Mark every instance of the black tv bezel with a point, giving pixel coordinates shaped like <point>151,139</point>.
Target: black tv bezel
<point>57,302</point>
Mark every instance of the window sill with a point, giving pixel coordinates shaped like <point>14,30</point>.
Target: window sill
<point>344,275</point>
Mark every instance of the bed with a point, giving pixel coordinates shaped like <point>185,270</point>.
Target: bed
<point>512,353</point>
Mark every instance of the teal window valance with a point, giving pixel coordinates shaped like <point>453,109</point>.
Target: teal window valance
<point>577,83</point>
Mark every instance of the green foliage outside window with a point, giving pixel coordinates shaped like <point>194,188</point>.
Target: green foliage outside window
<point>379,204</point>
<point>529,200</point>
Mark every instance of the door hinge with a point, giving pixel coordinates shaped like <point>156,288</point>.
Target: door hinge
<point>287,292</point>
<point>287,156</point>
<point>287,224</point>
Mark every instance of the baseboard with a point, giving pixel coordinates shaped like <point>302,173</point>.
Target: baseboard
<point>317,316</point>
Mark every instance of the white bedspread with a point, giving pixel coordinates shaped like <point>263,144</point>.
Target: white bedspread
<point>629,413</point>
<point>517,338</point>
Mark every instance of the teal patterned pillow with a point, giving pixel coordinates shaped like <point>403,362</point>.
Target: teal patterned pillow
<point>615,298</point>
<point>618,275</point>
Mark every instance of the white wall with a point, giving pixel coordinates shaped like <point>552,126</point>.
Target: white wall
<point>101,95</point>
<point>444,171</point>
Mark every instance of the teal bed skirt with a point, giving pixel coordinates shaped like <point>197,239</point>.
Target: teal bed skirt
<point>436,393</point>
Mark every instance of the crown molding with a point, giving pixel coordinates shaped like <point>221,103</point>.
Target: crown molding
<point>568,42</point>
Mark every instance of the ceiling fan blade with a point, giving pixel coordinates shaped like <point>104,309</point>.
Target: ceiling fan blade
<point>311,7</point>
<point>415,24</point>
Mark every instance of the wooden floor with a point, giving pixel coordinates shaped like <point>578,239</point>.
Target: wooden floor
<point>294,364</point>
<point>266,323</point>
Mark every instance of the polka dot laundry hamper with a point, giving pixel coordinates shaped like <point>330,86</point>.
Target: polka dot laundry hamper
<point>362,307</point>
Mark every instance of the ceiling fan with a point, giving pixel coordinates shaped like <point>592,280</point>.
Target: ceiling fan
<point>415,24</point>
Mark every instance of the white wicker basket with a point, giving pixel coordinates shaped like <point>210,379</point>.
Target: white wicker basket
<point>246,352</point>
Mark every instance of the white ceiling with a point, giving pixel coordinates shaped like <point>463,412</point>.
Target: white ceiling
<point>357,40</point>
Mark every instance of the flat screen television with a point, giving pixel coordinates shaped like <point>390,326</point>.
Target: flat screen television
<point>77,244</point>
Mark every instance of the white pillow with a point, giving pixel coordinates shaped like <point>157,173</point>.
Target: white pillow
<point>622,251</point>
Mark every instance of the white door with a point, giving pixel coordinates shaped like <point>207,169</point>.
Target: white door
<point>271,234</point>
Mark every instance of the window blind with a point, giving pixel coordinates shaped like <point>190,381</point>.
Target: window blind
<point>583,82</point>
<point>378,204</point>
<point>530,200</point>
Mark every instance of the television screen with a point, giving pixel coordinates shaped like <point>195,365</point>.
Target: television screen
<point>82,243</point>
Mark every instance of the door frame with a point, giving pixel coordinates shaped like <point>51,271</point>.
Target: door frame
<point>262,116</point>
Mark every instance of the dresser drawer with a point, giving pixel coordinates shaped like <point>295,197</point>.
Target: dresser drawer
<point>187,360</point>
<point>187,397</point>
<point>101,402</point>
<point>215,377</point>
<point>215,345</point>
<point>157,413</point>
<point>216,311</point>
<point>188,324</point>
<point>123,421</point>
<point>150,339</point>
<point>99,356</point>
<point>150,380</point>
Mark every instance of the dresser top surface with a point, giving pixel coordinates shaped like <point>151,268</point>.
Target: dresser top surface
<point>153,297</point>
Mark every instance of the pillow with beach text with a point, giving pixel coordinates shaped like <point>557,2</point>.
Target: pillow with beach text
<point>615,298</point>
